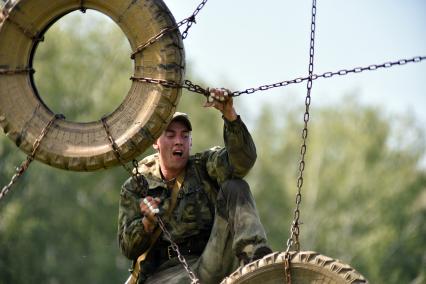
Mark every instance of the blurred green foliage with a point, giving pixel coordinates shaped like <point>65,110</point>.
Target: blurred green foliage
<point>364,193</point>
<point>83,71</point>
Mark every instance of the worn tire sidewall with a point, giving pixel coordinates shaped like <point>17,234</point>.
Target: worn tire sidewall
<point>134,124</point>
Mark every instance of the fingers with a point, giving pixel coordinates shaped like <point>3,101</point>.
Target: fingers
<point>220,95</point>
<point>218,98</point>
<point>150,206</point>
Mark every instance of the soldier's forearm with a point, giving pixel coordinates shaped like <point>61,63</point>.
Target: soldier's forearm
<point>148,225</point>
<point>240,147</point>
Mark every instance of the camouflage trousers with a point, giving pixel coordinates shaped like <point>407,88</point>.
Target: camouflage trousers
<point>236,227</point>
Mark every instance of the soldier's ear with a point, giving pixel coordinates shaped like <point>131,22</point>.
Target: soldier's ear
<point>155,146</point>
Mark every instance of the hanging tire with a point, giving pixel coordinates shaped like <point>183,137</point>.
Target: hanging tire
<point>305,267</point>
<point>134,125</point>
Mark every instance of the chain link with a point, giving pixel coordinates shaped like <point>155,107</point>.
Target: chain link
<point>114,147</point>
<point>188,21</point>
<point>16,71</point>
<point>175,247</point>
<point>192,18</point>
<point>82,7</point>
<point>171,84</point>
<point>140,181</point>
<point>26,163</point>
<point>287,267</point>
<point>293,240</point>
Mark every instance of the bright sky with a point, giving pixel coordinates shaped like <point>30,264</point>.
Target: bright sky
<point>241,44</point>
<point>251,43</point>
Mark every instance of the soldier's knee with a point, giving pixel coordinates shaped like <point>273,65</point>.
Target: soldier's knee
<point>232,193</point>
<point>235,191</point>
<point>235,186</point>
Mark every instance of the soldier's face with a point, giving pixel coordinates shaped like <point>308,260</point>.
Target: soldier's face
<point>174,146</point>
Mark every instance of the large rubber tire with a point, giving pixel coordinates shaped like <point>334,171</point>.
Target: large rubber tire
<point>306,267</point>
<point>134,125</point>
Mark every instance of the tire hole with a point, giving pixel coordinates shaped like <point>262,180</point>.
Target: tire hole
<point>83,66</point>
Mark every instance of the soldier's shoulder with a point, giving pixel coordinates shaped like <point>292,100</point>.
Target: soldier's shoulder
<point>214,148</point>
<point>206,153</point>
<point>148,164</point>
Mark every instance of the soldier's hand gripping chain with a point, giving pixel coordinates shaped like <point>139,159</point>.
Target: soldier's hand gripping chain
<point>150,206</point>
<point>221,99</point>
<point>217,97</point>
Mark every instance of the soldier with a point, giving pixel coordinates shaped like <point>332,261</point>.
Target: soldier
<point>203,200</point>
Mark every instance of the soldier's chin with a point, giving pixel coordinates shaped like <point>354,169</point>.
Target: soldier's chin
<point>180,160</point>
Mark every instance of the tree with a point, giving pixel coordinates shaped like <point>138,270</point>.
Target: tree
<point>83,71</point>
<point>363,198</point>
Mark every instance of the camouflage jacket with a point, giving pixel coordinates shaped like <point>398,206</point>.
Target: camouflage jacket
<point>194,211</point>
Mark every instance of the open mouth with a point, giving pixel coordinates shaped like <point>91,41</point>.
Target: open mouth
<point>178,153</point>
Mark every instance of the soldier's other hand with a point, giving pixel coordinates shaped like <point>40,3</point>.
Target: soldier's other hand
<point>150,207</point>
<point>222,100</point>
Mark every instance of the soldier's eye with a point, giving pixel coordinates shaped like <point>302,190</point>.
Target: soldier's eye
<point>170,134</point>
<point>185,135</point>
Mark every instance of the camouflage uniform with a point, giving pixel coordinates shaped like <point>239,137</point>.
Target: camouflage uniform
<point>214,210</point>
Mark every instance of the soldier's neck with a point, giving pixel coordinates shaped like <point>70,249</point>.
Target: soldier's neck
<point>170,174</point>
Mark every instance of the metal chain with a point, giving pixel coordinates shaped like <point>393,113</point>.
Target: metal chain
<point>341,72</point>
<point>25,164</point>
<point>136,176</point>
<point>189,21</point>
<point>287,267</point>
<point>16,71</point>
<point>175,247</point>
<point>197,89</point>
<point>171,84</point>
<point>294,230</point>
<point>82,8</point>
<point>114,147</point>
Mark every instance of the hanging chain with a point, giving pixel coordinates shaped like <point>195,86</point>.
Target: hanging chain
<point>114,147</point>
<point>191,19</point>
<point>25,164</point>
<point>287,267</point>
<point>136,176</point>
<point>188,21</point>
<point>82,7</point>
<point>175,247</point>
<point>293,241</point>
